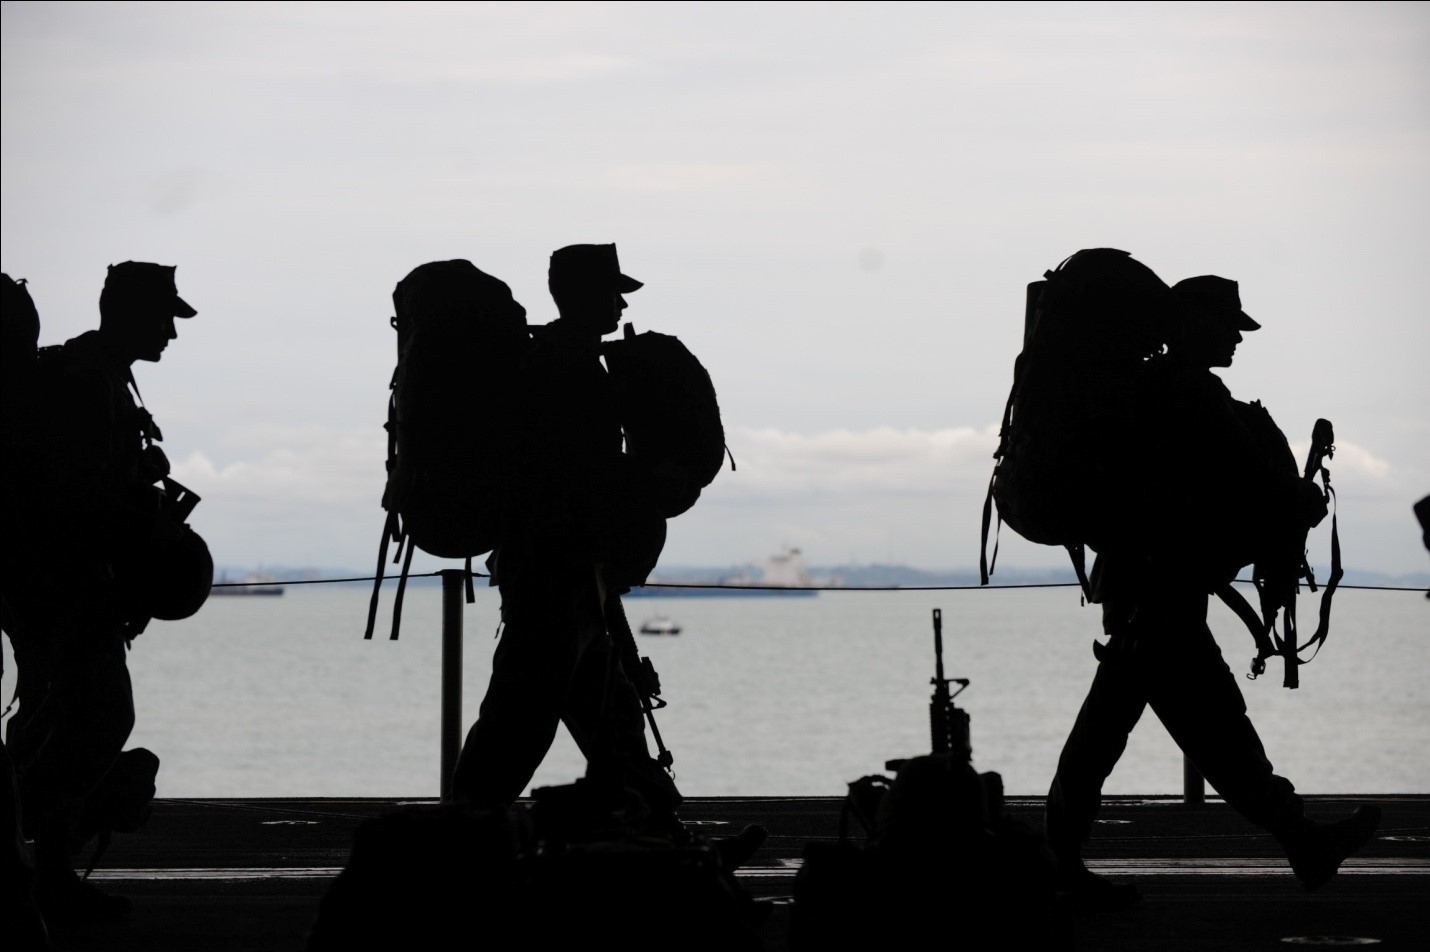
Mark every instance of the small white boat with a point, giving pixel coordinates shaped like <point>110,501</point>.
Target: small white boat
<point>659,625</point>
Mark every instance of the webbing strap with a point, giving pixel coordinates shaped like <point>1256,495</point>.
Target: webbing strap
<point>1290,649</point>
<point>1254,624</point>
<point>389,530</point>
<point>401,587</point>
<point>1323,626</point>
<point>1078,554</point>
<point>985,564</point>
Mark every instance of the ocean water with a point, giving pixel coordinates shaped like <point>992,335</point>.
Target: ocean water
<point>767,696</point>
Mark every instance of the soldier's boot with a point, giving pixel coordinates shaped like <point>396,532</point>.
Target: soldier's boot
<point>1317,851</point>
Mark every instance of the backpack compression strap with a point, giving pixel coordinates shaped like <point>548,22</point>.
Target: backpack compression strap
<point>389,532</point>
<point>986,565</point>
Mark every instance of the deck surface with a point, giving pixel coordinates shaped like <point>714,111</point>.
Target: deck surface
<point>222,875</point>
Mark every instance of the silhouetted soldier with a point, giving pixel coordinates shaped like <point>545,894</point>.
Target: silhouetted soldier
<point>575,519</point>
<point>1224,483</point>
<point>72,614</point>
<point>21,332</point>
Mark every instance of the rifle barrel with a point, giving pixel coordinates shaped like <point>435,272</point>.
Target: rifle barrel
<point>938,647</point>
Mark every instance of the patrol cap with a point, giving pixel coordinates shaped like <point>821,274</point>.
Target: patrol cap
<point>143,281</point>
<point>1218,295</point>
<point>589,265</point>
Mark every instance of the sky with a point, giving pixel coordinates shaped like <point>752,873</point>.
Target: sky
<point>835,206</point>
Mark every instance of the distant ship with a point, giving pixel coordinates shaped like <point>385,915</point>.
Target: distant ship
<point>254,583</point>
<point>783,576</point>
<point>660,625</point>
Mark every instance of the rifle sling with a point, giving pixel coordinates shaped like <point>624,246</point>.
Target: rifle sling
<point>1323,626</point>
<point>1254,623</point>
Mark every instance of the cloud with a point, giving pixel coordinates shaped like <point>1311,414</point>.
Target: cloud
<point>306,496</point>
<point>302,463</point>
<point>310,495</point>
<point>884,461</point>
<point>1352,462</point>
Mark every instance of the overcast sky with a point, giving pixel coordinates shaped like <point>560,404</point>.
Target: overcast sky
<point>836,206</point>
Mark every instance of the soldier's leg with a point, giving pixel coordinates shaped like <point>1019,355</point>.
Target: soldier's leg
<point>81,704</point>
<point>1114,704</point>
<point>76,712</point>
<point>607,722</point>
<point>532,672</point>
<point>1204,711</point>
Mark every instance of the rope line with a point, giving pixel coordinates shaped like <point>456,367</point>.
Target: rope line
<point>726,586</point>
<point>322,581</point>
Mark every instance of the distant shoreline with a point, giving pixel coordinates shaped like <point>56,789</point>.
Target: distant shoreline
<point>691,578</point>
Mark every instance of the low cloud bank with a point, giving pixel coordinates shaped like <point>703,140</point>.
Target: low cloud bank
<point>311,495</point>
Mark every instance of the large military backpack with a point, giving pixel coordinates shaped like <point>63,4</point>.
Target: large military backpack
<point>1069,467</point>
<point>461,342</point>
<point>670,416</point>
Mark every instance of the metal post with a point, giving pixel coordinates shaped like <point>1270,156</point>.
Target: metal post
<point>453,585</point>
<point>1194,786</point>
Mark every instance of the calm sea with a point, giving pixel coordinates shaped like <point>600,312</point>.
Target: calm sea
<point>768,696</point>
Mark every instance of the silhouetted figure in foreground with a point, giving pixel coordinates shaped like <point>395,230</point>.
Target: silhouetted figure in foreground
<point>448,876</point>
<point>21,332</point>
<point>940,859</point>
<point>91,530</point>
<point>1154,601</point>
<point>578,532</point>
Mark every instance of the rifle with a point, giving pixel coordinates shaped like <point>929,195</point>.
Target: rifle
<point>948,723</point>
<point>1278,592</point>
<point>640,671</point>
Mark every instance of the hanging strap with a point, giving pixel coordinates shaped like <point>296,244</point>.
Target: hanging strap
<point>1078,554</point>
<point>1323,625</point>
<point>986,564</point>
<point>389,531</point>
<point>1254,624</point>
<point>401,584</point>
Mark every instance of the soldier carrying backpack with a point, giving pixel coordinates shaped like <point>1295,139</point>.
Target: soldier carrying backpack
<point>108,549</point>
<point>562,456</point>
<point>1184,486</point>
<point>576,529</point>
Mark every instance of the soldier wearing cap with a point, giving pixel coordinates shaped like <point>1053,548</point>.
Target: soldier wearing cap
<point>1212,320</point>
<point>1228,488</point>
<point>71,618</point>
<point>560,558</point>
